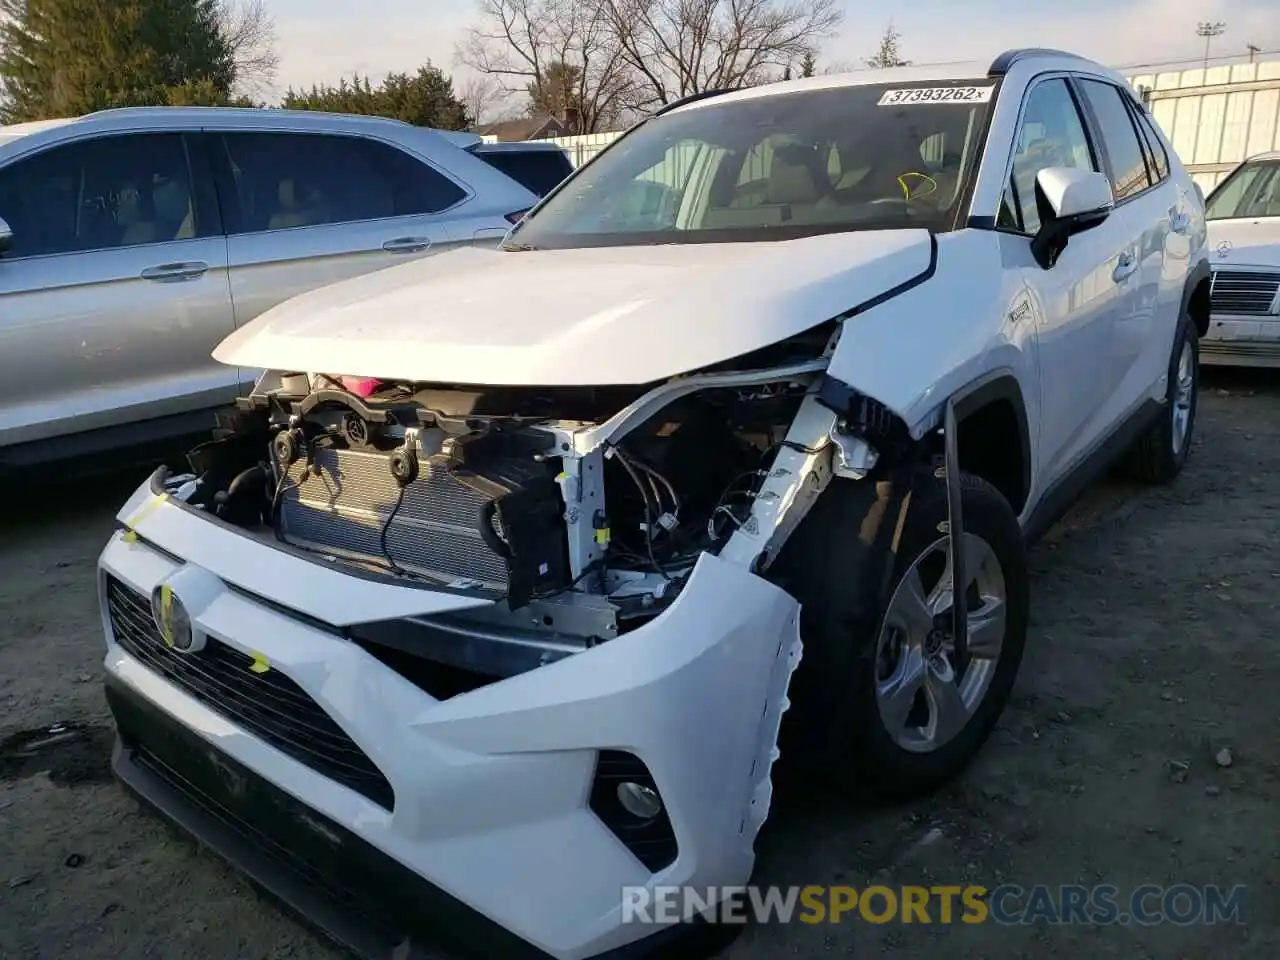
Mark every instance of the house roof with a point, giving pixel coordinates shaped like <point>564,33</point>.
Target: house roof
<point>522,128</point>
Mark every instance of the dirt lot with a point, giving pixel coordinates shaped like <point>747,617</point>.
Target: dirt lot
<point>1153,645</point>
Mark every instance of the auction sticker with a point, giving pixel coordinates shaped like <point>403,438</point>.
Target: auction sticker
<point>893,98</point>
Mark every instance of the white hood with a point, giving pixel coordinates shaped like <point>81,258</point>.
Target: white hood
<point>1245,243</point>
<point>618,315</point>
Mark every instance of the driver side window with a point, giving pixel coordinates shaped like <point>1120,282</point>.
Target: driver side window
<point>1051,134</point>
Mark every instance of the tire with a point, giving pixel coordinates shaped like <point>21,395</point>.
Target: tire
<point>837,730</point>
<point>1158,456</point>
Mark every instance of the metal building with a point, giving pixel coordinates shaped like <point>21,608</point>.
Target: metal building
<point>1216,117</point>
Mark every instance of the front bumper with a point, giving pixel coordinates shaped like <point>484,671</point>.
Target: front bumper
<point>491,828</point>
<point>1253,342</point>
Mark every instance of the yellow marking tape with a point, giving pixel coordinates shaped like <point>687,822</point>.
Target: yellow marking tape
<point>130,534</point>
<point>166,618</point>
<point>260,664</point>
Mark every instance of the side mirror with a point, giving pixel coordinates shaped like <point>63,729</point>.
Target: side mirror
<point>6,237</point>
<point>1199,192</point>
<point>1069,201</point>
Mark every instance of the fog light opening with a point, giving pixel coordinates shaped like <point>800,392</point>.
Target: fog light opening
<point>640,801</point>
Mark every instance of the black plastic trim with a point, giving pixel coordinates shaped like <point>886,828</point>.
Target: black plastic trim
<point>925,274</point>
<point>1005,62</point>
<point>271,706</point>
<point>691,98</point>
<point>652,842</point>
<point>1198,274</point>
<point>1002,387</point>
<point>336,882</point>
<point>1059,498</point>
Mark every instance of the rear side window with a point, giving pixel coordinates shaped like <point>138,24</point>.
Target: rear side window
<point>1119,138</point>
<point>285,180</point>
<point>539,171</point>
<point>102,194</point>
<point>1157,156</point>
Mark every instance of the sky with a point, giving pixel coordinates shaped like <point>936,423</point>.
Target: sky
<point>324,40</point>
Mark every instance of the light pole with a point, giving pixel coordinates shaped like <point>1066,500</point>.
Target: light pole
<point>1209,31</point>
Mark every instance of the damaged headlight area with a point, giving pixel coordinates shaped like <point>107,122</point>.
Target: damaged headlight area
<point>580,512</point>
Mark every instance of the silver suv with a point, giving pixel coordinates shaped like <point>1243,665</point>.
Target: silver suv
<point>132,241</point>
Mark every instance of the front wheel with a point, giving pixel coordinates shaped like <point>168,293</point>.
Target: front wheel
<point>904,710</point>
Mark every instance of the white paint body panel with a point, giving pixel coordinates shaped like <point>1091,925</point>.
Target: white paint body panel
<point>492,785</point>
<point>1248,245</point>
<point>626,315</point>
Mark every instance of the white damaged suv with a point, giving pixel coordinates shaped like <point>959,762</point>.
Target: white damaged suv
<point>488,603</point>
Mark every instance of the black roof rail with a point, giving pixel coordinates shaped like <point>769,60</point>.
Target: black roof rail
<point>691,98</point>
<point>1002,64</point>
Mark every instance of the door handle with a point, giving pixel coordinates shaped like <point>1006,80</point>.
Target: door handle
<point>176,272</point>
<point>1179,222</point>
<point>407,245</point>
<point>1125,266</point>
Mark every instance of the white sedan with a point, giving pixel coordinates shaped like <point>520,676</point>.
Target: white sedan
<point>1244,243</point>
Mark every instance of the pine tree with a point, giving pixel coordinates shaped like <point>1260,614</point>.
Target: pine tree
<point>425,98</point>
<point>888,54</point>
<point>61,58</point>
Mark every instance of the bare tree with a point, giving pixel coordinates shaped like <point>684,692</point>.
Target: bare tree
<point>887,54</point>
<point>518,42</point>
<point>250,31</point>
<point>680,47</point>
<point>481,95</point>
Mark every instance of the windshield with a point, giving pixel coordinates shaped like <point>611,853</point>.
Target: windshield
<point>1252,191</point>
<point>776,167</point>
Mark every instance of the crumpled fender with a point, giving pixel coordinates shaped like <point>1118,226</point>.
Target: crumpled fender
<point>916,346</point>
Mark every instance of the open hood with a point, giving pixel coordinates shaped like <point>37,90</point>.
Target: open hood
<point>1245,243</point>
<point>617,315</point>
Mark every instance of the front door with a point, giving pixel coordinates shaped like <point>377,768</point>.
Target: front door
<point>114,292</point>
<point>307,210</point>
<point>1076,302</point>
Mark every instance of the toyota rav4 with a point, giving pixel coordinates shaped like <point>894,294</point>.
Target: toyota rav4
<point>489,601</point>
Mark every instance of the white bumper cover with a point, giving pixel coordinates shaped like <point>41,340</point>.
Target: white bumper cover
<point>491,786</point>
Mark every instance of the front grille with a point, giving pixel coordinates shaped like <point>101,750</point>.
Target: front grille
<point>268,705</point>
<point>1244,292</point>
<point>435,530</point>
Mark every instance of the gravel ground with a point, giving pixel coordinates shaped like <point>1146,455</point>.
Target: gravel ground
<point>1152,617</point>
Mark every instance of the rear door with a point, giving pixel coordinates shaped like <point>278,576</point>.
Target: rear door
<point>305,210</point>
<point>1142,217</point>
<point>115,290</point>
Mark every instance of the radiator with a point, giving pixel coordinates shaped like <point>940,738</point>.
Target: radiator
<point>342,507</point>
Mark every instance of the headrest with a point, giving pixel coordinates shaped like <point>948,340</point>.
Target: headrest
<point>791,176</point>
<point>172,200</point>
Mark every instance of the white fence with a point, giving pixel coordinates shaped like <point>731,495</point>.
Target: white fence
<point>1214,118</point>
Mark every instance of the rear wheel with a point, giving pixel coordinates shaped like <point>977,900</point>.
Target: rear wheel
<point>902,710</point>
<point>1159,455</point>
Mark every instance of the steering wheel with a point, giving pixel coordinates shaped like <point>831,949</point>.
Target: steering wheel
<point>904,179</point>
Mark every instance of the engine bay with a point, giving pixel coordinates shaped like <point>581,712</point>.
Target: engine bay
<point>579,512</point>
